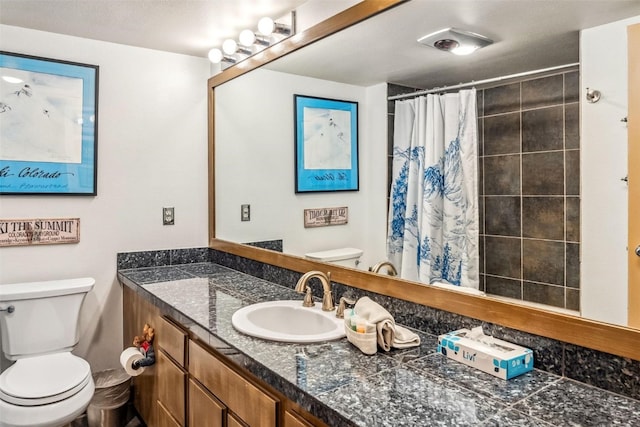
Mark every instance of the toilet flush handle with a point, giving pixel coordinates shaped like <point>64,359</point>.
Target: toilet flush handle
<point>9,309</point>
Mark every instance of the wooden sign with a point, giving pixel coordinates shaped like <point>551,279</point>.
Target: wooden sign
<point>325,216</point>
<point>41,231</point>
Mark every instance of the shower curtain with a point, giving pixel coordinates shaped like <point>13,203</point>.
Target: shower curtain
<point>433,209</point>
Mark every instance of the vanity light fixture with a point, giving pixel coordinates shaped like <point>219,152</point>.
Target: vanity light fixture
<point>458,42</point>
<point>250,43</point>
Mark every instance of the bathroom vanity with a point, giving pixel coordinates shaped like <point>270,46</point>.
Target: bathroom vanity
<point>206,371</point>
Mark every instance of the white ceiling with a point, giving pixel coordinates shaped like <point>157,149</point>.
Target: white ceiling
<point>528,34</point>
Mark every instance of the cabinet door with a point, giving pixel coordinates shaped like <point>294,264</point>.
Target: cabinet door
<point>250,403</point>
<point>291,419</point>
<point>164,418</point>
<point>171,386</point>
<point>204,409</point>
<point>233,421</point>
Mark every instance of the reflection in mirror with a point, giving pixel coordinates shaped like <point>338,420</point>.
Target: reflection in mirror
<point>530,197</point>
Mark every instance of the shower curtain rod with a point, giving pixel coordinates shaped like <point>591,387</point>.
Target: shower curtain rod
<point>481,82</point>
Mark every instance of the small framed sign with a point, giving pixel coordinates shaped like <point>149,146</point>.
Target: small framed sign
<point>40,231</point>
<point>323,217</point>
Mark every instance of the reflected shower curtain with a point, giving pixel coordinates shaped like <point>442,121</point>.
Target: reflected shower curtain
<point>433,210</point>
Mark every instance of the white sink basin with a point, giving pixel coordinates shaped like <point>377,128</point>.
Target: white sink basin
<point>288,321</point>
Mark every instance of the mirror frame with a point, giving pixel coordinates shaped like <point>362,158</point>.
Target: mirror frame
<point>608,338</point>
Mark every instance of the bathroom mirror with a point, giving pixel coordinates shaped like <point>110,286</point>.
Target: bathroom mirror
<point>366,77</point>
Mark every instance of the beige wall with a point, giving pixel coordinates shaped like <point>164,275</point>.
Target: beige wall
<point>152,152</point>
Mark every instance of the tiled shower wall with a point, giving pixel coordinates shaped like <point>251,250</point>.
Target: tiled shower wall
<point>529,189</point>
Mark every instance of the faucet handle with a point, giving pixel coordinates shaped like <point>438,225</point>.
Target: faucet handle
<point>308,298</point>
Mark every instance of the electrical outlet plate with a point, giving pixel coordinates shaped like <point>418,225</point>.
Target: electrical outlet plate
<point>168,217</point>
<point>245,212</point>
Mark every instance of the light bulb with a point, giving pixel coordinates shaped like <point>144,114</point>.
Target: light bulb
<point>464,49</point>
<point>247,38</point>
<point>229,46</point>
<point>215,55</point>
<point>266,26</point>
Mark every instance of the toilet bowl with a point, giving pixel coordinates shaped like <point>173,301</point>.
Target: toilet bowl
<point>347,257</point>
<point>47,386</point>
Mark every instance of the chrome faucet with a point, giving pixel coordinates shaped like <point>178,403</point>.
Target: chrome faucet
<point>391,270</point>
<point>303,287</point>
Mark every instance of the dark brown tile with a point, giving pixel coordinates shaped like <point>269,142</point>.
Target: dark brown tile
<point>572,86</point>
<point>572,126</point>
<point>543,174</point>
<point>481,206</point>
<point>502,257</point>
<point>543,217</point>
<point>572,159</point>
<point>572,299</point>
<point>542,129</point>
<point>481,254</point>
<point>543,261</point>
<point>573,219</point>
<point>544,294</point>
<point>502,215</point>
<point>480,103</point>
<point>480,137</point>
<point>502,175</point>
<point>542,92</point>
<point>502,134</point>
<point>503,287</point>
<point>482,285</point>
<point>573,265</point>
<point>480,176</point>
<point>502,99</point>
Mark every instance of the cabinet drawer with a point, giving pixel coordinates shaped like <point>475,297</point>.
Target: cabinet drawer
<point>171,339</point>
<point>254,406</point>
<point>204,409</point>
<point>164,418</point>
<point>291,419</point>
<point>171,387</point>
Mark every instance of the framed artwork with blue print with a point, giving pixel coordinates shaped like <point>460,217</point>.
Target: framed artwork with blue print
<point>48,126</point>
<point>326,144</point>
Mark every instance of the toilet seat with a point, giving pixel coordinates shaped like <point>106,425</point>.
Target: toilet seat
<point>42,380</point>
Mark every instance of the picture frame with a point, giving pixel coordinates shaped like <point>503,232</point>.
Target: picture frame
<point>48,123</point>
<point>326,144</point>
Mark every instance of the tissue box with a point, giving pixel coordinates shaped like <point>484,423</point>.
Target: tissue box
<point>496,357</point>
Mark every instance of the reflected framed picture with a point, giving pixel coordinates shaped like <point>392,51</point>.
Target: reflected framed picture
<point>326,144</point>
<point>48,126</point>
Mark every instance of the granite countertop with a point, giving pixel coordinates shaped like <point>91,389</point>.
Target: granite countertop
<point>344,387</point>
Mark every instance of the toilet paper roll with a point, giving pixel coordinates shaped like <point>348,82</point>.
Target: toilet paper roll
<point>127,357</point>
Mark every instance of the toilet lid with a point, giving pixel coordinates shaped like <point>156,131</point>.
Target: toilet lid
<point>40,380</point>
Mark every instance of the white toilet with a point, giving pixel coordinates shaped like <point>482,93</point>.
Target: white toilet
<point>347,257</point>
<point>47,385</point>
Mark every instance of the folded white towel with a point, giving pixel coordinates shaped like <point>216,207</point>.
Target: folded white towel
<point>404,338</point>
<point>388,333</point>
<point>374,313</point>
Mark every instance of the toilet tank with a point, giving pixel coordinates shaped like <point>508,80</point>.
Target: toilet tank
<point>347,257</point>
<point>44,318</point>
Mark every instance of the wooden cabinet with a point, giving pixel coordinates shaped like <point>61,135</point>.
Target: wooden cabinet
<point>250,403</point>
<point>164,418</point>
<point>204,409</point>
<point>171,386</point>
<point>192,385</point>
<point>291,419</point>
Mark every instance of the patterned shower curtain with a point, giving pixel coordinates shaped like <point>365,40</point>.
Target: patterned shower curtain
<point>433,211</point>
